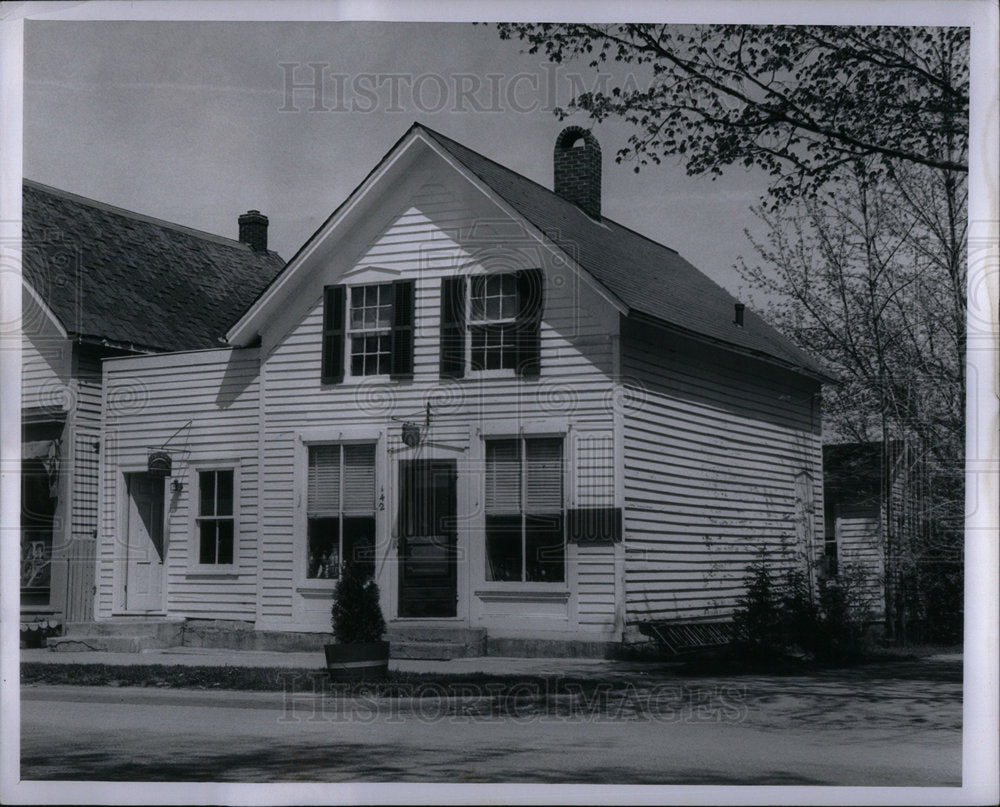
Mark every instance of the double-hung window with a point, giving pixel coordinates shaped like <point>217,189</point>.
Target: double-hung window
<point>524,510</point>
<point>370,329</point>
<point>340,508</point>
<point>215,519</point>
<point>493,308</point>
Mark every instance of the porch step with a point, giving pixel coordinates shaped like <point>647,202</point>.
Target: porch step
<point>107,644</point>
<point>118,636</point>
<point>433,642</point>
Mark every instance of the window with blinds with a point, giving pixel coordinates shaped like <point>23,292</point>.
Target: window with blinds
<point>340,508</point>
<point>523,501</point>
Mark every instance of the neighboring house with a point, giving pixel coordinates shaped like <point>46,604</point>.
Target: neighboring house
<point>100,282</point>
<point>873,506</point>
<point>532,423</point>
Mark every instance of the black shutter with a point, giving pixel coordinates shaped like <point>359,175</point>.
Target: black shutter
<point>332,371</point>
<point>530,294</point>
<point>402,329</point>
<point>452,327</point>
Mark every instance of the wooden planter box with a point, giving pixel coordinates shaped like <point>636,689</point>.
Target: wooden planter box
<point>356,662</point>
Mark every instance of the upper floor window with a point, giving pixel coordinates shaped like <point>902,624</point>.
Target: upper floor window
<point>370,329</point>
<point>524,510</point>
<point>369,332</point>
<point>492,322</point>
<point>215,520</point>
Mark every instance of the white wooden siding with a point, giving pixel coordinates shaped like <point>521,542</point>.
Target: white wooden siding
<point>861,549</point>
<point>436,233</point>
<point>204,406</point>
<point>713,444</point>
<point>46,361</point>
<point>86,433</point>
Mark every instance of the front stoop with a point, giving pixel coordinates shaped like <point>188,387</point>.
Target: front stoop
<point>118,636</point>
<point>435,643</point>
<point>123,635</point>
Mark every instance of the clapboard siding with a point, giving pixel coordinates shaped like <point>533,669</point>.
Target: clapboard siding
<point>204,407</point>
<point>426,241</point>
<point>86,419</point>
<point>860,538</point>
<point>712,446</point>
<point>46,361</point>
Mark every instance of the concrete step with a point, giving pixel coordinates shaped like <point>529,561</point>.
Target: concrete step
<point>107,644</point>
<point>439,642</point>
<point>168,630</point>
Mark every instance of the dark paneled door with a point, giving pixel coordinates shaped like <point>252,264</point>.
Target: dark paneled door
<point>427,517</point>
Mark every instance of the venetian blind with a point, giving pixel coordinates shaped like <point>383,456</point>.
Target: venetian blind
<point>544,475</point>
<point>359,479</point>
<point>503,477</point>
<point>324,480</point>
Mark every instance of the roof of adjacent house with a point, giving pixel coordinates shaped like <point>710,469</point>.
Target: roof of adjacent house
<point>131,281</point>
<point>649,278</point>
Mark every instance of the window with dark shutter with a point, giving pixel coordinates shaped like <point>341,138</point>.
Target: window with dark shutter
<point>452,345</point>
<point>402,329</point>
<point>332,365</point>
<point>530,302</point>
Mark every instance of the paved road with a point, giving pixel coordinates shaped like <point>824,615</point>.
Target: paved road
<point>847,730</point>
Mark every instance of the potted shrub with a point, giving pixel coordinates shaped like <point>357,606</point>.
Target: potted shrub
<point>358,626</point>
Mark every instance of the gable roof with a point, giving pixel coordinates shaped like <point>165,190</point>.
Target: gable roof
<point>645,278</point>
<point>649,278</point>
<point>130,281</point>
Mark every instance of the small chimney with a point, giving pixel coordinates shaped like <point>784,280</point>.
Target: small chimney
<point>253,230</point>
<point>739,315</point>
<point>577,168</point>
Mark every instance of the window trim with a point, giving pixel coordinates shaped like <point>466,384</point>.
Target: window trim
<point>470,323</point>
<point>547,428</point>
<point>304,439</point>
<point>195,566</point>
<point>350,332</point>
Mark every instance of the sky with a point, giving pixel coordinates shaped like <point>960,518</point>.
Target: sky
<point>192,122</point>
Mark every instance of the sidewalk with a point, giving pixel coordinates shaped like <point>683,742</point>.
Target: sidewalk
<point>604,669</point>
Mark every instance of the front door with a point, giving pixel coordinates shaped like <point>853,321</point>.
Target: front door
<point>427,520</point>
<point>144,564</point>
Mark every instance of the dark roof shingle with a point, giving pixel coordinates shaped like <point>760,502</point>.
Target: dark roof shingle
<point>132,281</point>
<point>647,277</point>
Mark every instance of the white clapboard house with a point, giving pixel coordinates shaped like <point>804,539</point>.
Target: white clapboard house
<point>539,429</point>
<point>100,281</point>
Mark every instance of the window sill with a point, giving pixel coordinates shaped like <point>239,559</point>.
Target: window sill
<point>225,573</point>
<point>523,595</point>
<point>316,589</point>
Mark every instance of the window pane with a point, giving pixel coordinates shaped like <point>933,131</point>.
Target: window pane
<point>206,493</point>
<point>206,541</point>
<point>324,480</point>
<point>359,542</point>
<point>503,477</point>
<point>357,297</point>
<point>544,554</point>
<point>359,478</point>
<point>478,342</point>
<point>224,493</point>
<point>225,540</point>
<point>324,548</point>
<point>544,469</point>
<point>503,548</point>
<point>493,308</point>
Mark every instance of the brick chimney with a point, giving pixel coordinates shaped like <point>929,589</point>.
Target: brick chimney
<point>577,168</point>
<point>253,230</point>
